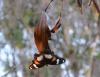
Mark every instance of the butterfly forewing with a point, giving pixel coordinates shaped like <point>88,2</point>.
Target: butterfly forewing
<point>42,34</point>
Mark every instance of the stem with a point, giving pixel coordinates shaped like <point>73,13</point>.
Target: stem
<point>90,2</point>
<point>48,5</point>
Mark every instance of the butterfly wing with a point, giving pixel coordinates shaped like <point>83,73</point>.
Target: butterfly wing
<point>42,34</point>
<point>57,25</point>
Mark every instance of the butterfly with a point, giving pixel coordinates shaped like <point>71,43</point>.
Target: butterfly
<point>48,58</point>
<point>42,34</point>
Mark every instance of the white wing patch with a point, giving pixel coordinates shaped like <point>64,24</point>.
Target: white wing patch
<point>57,61</point>
<point>30,67</point>
<point>35,65</point>
<point>40,58</point>
<point>48,56</point>
<point>63,61</point>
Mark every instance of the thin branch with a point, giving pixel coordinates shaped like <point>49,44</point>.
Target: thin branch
<point>48,5</point>
<point>90,2</point>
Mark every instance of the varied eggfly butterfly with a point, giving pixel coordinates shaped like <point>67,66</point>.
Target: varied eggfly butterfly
<point>42,34</point>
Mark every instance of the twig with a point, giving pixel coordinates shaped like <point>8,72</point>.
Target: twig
<point>90,2</point>
<point>48,5</point>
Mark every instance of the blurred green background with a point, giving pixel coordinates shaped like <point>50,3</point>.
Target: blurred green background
<point>78,39</point>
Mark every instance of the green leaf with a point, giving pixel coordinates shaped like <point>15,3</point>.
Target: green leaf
<point>16,37</point>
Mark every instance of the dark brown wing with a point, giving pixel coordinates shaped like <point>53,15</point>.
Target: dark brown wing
<point>57,25</point>
<point>42,34</point>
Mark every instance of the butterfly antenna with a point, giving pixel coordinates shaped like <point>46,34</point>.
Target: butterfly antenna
<point>48,5</point>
